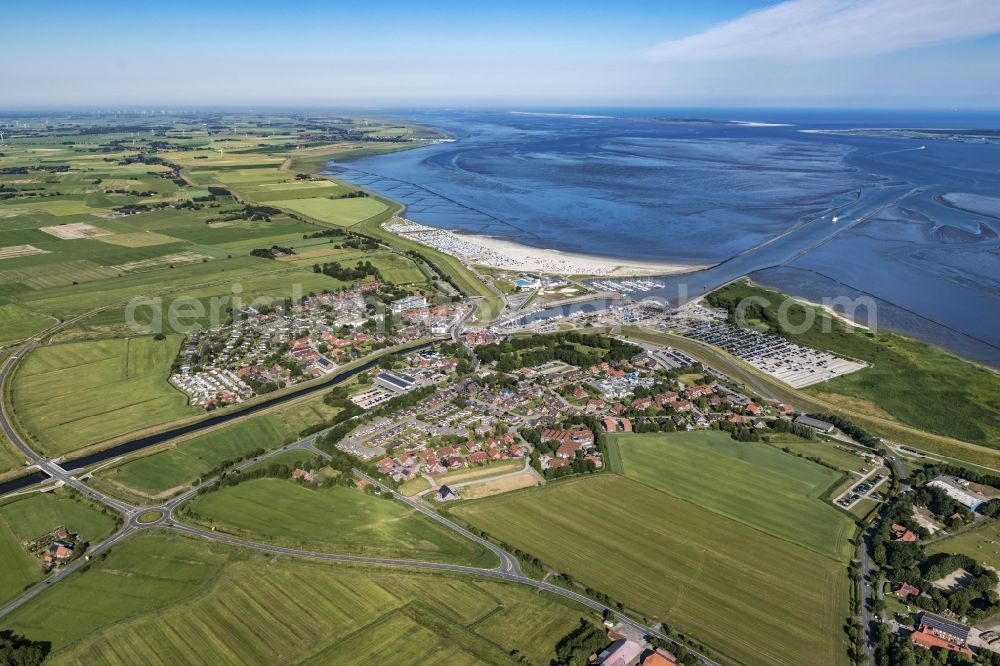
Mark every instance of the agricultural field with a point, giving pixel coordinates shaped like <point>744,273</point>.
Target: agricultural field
<point>981,544</point>
<point>33,516</point>
<point>338,212</point>
<point>69,396</point>
<point>498,486</point>
<point>162,598</point>
<point>18,323</point>
<point>338,519</point>
<point>674,561</point>
<point>749,482</point>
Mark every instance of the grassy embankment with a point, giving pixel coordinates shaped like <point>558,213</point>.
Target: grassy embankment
<point>727,542</point>
<point>165,472</point>
<point>166,599</point>
<point>864,413</point>
<point>920,385</point>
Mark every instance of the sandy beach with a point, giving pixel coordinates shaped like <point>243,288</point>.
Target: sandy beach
<point>479,250</point>
<point>538,260</point>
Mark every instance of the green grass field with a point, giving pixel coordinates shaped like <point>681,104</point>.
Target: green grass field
<point>69,396</point>
<point>165,599</point>
<point>981,544</point>
<point>832,453</point>
<point>756,598</point>
<point>32,516</point>
<point>18,323</point>
<point>750,482</point>
<point>338,212</point>
<point>10,458</point>
<point>334,519</point>
<point>172,470</point>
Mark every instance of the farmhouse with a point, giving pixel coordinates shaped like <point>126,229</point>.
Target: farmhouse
<point>959,490</point>
<point>815,424</point>
<point>622,652</point>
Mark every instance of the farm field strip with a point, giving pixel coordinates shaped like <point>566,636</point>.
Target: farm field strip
<point>675,562</point>
<point>226,606</point>
<point>751,482</point>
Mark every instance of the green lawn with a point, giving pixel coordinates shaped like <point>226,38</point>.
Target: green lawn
<point>414,486</point>
<point>981,544</point>
<point>165,599</point>
<point>69,396</point>
<point>752,483</point>
<point>32,516</point>
<point>335,519</point>
<point>757,598</point>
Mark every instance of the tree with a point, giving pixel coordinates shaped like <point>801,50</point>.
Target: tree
<point>17,650</point>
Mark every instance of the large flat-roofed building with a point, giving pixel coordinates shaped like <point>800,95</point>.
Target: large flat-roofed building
<point>408,303</point>
<point>959,490</point>
<point>815,424</point>
<point>397,382</point>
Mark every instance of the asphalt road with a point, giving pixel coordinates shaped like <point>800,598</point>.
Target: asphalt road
<point>869,570</point>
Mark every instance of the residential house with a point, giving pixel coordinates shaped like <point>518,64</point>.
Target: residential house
<point>567,449</point>
<point>445,493</point>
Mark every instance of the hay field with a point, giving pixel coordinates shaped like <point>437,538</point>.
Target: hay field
<point>165,599</point>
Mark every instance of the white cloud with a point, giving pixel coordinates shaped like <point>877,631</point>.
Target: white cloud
<point>827,29</point>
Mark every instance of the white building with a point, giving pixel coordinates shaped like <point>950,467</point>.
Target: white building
<point>958,490</point>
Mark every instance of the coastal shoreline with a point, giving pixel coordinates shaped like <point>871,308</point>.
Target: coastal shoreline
<point>508,255</point>
<point>557,262</point>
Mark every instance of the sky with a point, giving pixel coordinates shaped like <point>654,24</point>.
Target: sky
<point>539,54</point>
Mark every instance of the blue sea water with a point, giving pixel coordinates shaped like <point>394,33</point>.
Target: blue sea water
<point>752,200</point>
